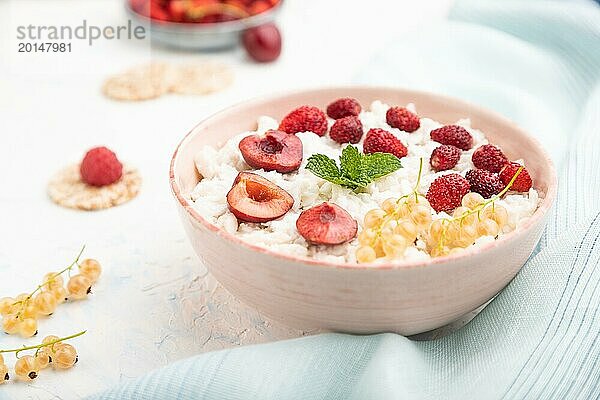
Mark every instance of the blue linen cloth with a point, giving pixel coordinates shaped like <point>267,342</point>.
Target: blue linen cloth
<point>537,62</point>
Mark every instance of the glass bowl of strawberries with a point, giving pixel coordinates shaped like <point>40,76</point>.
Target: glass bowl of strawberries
<point>201,24</point>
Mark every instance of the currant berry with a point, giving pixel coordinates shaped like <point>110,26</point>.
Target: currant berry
<point>407,229</point>
<point>390,224</point>
<point>60,294</point>
<point>65,356</point>
<point>366,236</point>
<point>497,213</point>
<point>52,281</point>
<point>421,215</point>
<point>403,210</point>
<point>389,206</point>
<point>373,218</point>
<point>91,269</point>
<point>394,246</point>
<point>28,327</point>
<point>45,302</point>
<point>365,254</point>
<point>79,286</point>
<point>488,227</point>
<point>11,324</point>
<point>6,304</point>
<point>30,311</point>
<point>466,236</point>
<point>43,358</point>
<point>452,231</point>
<point>4,373</point>
<point>440,251</point>
<point>26,368</point>
<point>378,247</point>
<point>22,298</point>
<point>51,347</point>
<point>463,213</point>
<point>386,232</point>
<point>472,200</point>
<point>436,229</point>
<point>413,200</point>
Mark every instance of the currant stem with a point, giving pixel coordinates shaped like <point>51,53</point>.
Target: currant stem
<point>30,295</point>
<point>416,188</point>
<point>39,346</point>
<point>58,273</point>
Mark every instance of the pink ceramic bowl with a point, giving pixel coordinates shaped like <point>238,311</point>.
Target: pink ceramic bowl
<point>403,297</point>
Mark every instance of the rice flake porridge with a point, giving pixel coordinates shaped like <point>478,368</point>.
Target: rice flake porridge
<point>449,227</point>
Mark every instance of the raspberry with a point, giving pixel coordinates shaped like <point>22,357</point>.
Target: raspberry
<point>347,130</point>
<point>484,182</point>
<point>454,135</point>
<point>100,167</point>
<point>343,107</point>
<point>305,119</point>
<point>489,157</point>
<point>403,119</point>
<point>446,192</point>
<point>523,182</point>
<point>382,141</point>
<point>444,157</point>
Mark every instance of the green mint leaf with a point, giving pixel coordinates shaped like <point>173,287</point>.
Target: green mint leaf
<point>352,184</point>
<point>356,170</point>
<point>376,165</point>
<point>325,168</point>
<point>350,162</point>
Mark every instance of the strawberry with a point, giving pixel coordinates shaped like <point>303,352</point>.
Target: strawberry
<point>484,182</point>
<point>347,130</point>
<point>447,191</point>
<point>523,182</point>
<point>326,224</point>
<point>489,157</point>
<point>403,119</point>
<point>444,157</point>
<point>305,119</point>
<point>454,135</point>
<point>343,107</point>
<point>382,141</point>
<point>100,167</point>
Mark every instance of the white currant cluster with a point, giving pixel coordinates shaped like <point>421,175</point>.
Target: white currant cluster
<point>389,230</point>
<point>52,352</point>
<point>476,217</point>
<point>20,314</point>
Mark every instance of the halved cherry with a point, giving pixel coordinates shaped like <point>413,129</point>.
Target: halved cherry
<point>326,224</point>
<point>276,151</point>
<point>253,198</point>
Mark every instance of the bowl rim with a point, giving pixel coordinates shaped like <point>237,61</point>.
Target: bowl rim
<point>225,26</point>
<point>538,215</point>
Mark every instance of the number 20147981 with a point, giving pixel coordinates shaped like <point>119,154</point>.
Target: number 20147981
<point>44,47</point>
